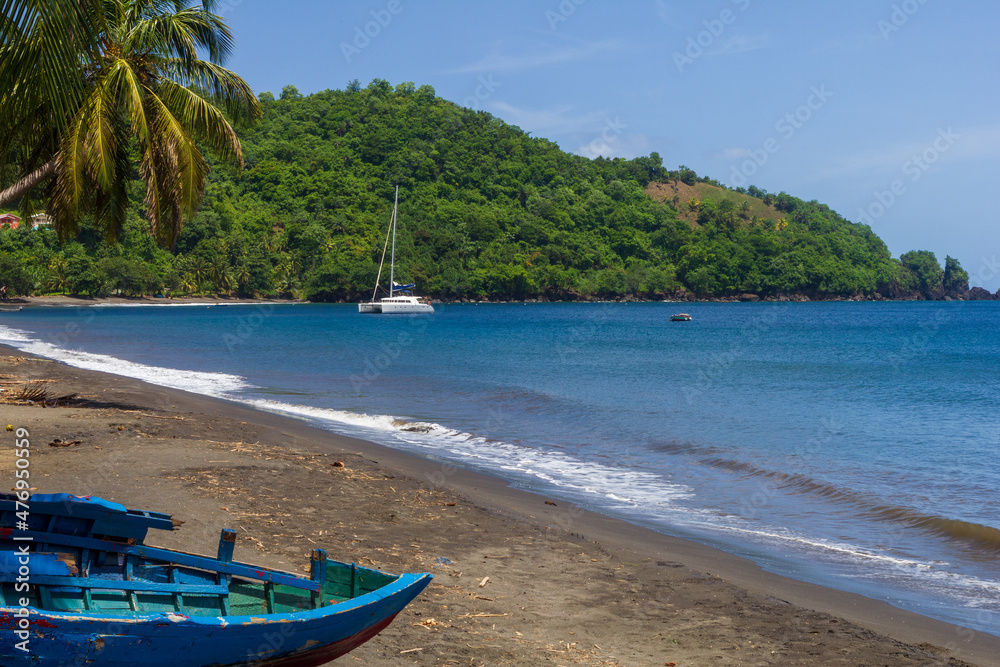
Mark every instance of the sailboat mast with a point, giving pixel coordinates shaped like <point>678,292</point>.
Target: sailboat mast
<point>381,262</point>
<point>392,262</point>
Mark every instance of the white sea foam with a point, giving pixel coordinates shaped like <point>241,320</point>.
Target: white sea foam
<point>212,384</point>
<point>929,577</point>
<point>603,484</point>
<point>11,336</point>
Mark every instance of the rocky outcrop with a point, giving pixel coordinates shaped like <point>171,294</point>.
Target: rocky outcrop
<point>979,294</point>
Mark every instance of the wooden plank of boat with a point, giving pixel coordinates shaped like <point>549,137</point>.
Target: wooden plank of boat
<point>108,602</point>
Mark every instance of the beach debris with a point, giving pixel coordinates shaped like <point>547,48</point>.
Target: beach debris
<point>483,583</point>
<point>428,623</point>
<point>337,464</point>
<point>58,442</point>
<point>411,650</point>
<point>443,561</point>
<point>36,393</point>
<point>9,427</point>
<point>549,502</point>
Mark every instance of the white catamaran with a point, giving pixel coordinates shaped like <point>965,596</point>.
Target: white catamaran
<point>404,301</point>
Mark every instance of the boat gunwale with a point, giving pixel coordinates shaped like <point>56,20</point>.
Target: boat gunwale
<point>401,584</point>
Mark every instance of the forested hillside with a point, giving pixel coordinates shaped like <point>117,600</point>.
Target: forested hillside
<point>486,212</point>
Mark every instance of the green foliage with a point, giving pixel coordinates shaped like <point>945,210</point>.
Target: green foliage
<point>486,212</point>
<point>14,279</point>
<point>925,274</point>
<point>83,278</point>
<point>956,279</point>
<point>128,277</point>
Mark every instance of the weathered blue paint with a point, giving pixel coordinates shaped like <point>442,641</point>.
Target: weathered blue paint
<point>73,568</point>
<point>41,564</point>
<point>162,640</point>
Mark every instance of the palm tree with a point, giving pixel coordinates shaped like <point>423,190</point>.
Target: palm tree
<point>198,269</point>
<point>57,278</point>
<point>241,275</point>
<point>145,92</point>
<point>221,274</point>
<point>188,283</point>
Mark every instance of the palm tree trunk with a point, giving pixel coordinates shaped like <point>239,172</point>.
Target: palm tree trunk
<point>17,190</point>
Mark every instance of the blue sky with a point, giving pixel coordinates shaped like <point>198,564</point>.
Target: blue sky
<point>886,110</point>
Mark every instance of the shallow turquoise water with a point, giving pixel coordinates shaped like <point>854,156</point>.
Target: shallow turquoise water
<point>852,444</point>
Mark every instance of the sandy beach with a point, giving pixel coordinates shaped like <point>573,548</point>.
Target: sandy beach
<point>519,579</point>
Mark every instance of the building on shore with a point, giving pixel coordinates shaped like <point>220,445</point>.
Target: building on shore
<point>41,220</point>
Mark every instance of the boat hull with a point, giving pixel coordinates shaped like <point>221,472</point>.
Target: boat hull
<point>300,639</point>
<point>406,305</point>
<point>406,308</point>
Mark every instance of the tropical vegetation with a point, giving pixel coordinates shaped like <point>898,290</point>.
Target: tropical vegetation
<point>486,212</point>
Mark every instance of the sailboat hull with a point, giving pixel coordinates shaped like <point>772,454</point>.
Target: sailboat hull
<point>396,305</point>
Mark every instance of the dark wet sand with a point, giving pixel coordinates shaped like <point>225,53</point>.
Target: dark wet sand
<point>565,587</point>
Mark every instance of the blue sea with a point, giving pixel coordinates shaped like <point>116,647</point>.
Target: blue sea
<point>854,445</point>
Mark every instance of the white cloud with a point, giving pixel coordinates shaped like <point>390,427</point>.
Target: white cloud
<point>560,118</point>
<point>952,143</point>
<point>541,57</point>
<point>594,132</point>
<point>627,146</point>
<point>734,153</point>
<point>740,44</point>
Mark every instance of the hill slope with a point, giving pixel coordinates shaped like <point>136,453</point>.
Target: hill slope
<point>486,212</point>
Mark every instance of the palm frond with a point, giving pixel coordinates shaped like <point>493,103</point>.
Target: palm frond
<point>40,55</point>
<point>173,148</point>
<point>100,143</point>
<point>206,122</point>
<point>125,87</point>
<point>71,180</point>
<point>111,203</point>
<point>227,88</point>
<point>181,33</point>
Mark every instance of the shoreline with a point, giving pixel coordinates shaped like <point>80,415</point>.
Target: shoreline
<point>65,301</point>
<point>717,597</point>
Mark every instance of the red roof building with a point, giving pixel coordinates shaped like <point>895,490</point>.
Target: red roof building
<point>9,220</point>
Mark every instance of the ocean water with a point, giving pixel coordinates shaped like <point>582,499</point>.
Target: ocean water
<point>849,444</point>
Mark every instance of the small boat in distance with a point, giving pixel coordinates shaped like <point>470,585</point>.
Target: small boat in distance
<point>400,299</point>
<point>99,594</point>
<point>9,309</point>
<point>680,317</point>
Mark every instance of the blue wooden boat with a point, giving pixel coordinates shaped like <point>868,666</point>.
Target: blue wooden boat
<point>97,594</point>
